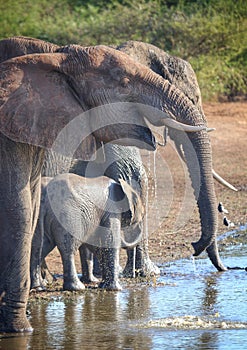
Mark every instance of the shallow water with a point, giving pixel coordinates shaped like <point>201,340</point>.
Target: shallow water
<point>191,306</point>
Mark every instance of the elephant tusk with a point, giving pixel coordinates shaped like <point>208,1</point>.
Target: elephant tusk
<point>215,175</point>
<point>172,123</point>
<point>223,182</point>
<point>210,129</point>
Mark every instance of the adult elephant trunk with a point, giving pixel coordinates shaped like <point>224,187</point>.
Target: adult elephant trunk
<point>198,155</point>
<point>207,202</point>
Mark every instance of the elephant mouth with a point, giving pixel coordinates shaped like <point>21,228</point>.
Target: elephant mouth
<point>147,140</point>
<point>125,134</point>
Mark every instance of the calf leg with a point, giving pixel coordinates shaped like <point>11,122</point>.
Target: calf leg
<point>87,264</point>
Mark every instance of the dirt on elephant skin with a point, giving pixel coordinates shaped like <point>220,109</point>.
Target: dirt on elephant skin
<point>167,241</point>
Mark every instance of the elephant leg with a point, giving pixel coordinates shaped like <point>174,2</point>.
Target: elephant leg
<point>143,265</point>
<point>17,220</point>
<point>67,247</point>
<point>36,193</point>
<point>96,267</point>
<point>71,281</point>
<point>109,254</point>
<point>138,263</point>
<point>110,269</point>
<point>41,247</point>
<point>46,274</point>
<point>129,270</point>
<point>87,264</point>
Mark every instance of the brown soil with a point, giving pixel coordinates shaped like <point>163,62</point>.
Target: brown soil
<point>229,160</point>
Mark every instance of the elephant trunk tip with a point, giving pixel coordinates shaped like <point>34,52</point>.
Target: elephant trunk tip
<point>200,246</point>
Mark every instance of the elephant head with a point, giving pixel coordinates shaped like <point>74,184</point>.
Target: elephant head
<point>35,88</point>
<point>180,74</point>
<point>122,202</point>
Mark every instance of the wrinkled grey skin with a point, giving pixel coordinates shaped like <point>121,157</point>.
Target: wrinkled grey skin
<point>123,162</point>
<point>116,162</point>
<point>95,204</point>
<point>176,70</point>
<point>181,74</point>
<point>69,82</point>
<point>121,79</point>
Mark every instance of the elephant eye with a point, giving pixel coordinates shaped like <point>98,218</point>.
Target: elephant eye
<point>124,82</point>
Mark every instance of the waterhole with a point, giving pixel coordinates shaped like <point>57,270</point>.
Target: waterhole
<point>190,306</point>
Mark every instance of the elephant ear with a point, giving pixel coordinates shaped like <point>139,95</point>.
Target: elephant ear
<point>21,45</point>
<point>37,103</point>
<point>131,230</point>
<point>134,202</point>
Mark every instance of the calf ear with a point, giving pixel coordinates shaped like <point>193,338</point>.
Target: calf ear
<point>37,103</point>
<point>135,204</point>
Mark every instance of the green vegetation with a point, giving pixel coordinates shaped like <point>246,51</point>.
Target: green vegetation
<point>210,34</point>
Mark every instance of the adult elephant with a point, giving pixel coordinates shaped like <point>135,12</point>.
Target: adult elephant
<point>41,96</point>
<point>177,71</point>
<point>126,160</point>
<point>180,73</point>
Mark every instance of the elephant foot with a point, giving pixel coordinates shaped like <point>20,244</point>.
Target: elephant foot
<point>150,268</point>
<point>89,279</point>
<point>128,272</point>
<point>38,289</point>
<point>39,285</point>
<point>147,269</point>
<point>110,285</point>
<point>11,322</point>
<point>73,286</point>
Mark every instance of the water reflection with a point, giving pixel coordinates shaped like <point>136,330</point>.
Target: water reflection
<point>98,320</point>
<point>15,341</point>
<point>210,294</point>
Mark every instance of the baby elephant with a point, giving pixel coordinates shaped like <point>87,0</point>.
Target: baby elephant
<point>76,211</point>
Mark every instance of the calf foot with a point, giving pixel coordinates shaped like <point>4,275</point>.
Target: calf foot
<point>73,285</point>
<point>39,285</point>
<point>89,279</point>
